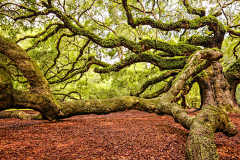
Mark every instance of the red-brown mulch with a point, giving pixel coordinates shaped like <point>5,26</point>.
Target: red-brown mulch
<point>122,135</point>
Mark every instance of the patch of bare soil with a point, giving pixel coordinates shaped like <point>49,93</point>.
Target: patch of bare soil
<point>122,135</point>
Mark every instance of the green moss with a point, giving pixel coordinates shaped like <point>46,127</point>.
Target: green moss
<point>202,74</point>
<point>199,40</point>
<point>233,70</point>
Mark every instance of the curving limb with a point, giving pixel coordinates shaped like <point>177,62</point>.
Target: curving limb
<point>235,50</point>
<point>187,24</point>
<point>161,91</point>
<point>141,46</point>
<point>161,62</point>
<point>234,32</point>
<point>154,81</point>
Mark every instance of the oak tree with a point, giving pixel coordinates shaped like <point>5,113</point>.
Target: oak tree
<point>46,43</point>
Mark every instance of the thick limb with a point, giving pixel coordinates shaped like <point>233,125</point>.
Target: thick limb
<point>39,85</point>
<point>161,62</point>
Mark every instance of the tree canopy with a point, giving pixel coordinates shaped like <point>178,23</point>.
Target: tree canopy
<point>133,54</point>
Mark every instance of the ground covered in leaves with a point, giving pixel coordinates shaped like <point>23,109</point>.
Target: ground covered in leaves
<point>122,135</point>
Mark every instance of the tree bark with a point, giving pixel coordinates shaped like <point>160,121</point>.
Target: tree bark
<point>200,143</point>
<point>217,90</point>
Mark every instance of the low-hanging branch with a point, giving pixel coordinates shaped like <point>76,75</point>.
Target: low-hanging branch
<point>159,92</point>
<point>155,80</point>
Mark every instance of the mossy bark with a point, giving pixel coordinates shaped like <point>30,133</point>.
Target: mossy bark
<point>6,88</point>
<point>39,84</point>
<point>20,115</point>
<point>216,89</point>
<point>200,143</point>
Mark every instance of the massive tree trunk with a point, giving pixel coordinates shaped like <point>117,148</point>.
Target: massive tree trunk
<point>217,90</point>
<point>214,85</point>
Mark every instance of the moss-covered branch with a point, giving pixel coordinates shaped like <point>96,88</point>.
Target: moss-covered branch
<point>195,65</point>
<point>232,72</point>
<point>24,62</point>
<point>161,62</point>
<point>159,92</point>
<point>183,23</point>
<point>200,142</point>
<point>139,47</point>
<point>106,106</point>
<point>211,119</point>
<point>146,44</point>
<point>155,80</point>
<point>191,10</point>
<point>205,41</point>
<point>234,32</point>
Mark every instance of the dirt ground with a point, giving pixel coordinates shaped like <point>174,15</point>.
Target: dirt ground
<point>123,135</point>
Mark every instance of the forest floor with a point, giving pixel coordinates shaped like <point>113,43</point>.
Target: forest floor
<point>123,135</point>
